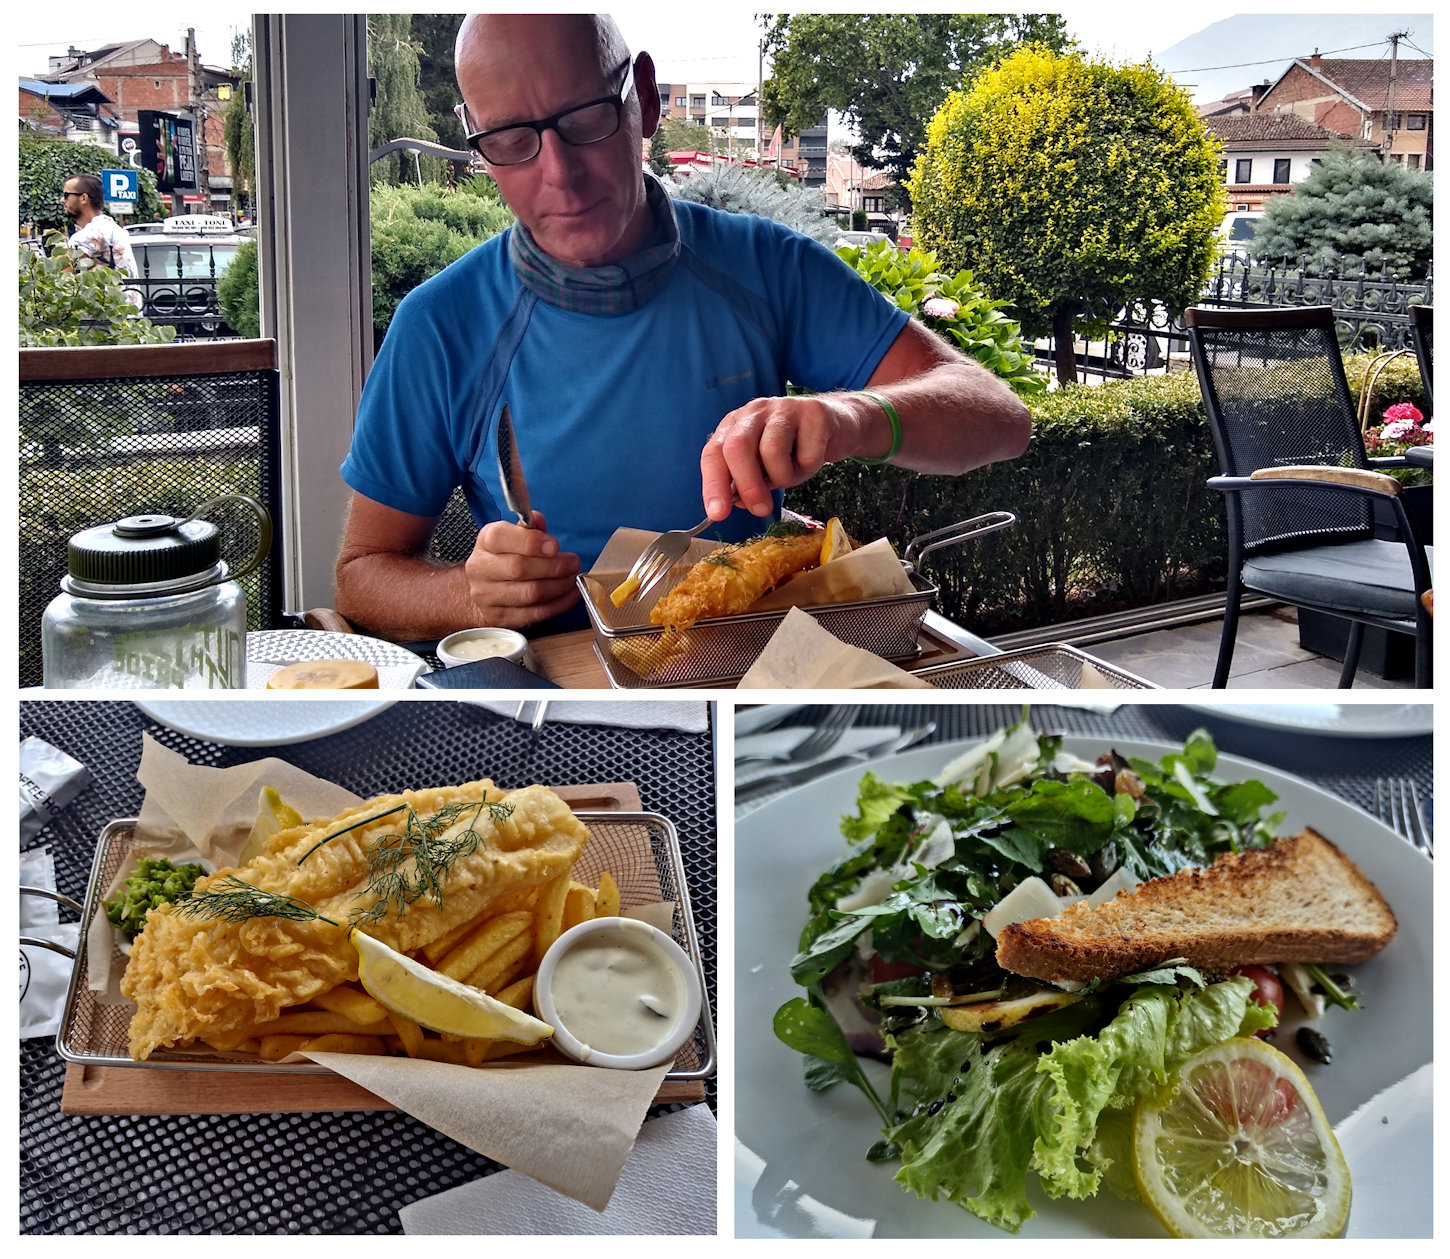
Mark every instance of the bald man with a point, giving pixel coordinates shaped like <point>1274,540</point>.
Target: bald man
<point>643,346</point>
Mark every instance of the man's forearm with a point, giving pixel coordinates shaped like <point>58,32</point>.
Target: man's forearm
<point>954,417</point>
<point>404,598</point>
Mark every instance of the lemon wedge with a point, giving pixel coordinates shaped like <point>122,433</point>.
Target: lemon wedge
<point>836,542</point>
<point>1241,1148</point>
<point>409,988</point>
<point>274,815</point>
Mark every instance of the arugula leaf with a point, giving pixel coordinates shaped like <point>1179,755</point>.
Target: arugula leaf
<point>810,1029</point>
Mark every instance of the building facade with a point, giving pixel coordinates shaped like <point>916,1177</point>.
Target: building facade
<point>1265,155</point>
<point>732,110</point>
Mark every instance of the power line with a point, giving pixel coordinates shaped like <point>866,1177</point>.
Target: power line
<point>1245,65</point>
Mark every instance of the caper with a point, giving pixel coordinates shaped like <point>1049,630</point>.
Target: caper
<point>1064,886</point>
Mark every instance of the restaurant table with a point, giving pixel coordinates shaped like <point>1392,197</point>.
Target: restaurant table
<point>323,1172</point>
<point>1345,766</point>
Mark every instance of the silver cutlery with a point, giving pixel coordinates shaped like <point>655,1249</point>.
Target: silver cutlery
<point>656,560</point>
<point>808,773</point>
<point>511,471</point>
<point>1397,805</point>
<point>826,735</point>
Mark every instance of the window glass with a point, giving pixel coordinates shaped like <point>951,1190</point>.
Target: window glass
<point>1244,170</point>
<point>1281,170</point>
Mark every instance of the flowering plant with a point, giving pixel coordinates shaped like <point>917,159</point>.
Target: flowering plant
<point>1403,427</point>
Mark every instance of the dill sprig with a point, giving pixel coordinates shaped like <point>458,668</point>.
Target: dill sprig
<point>787,529</point>
<point>351,827</point>
<point>233,900</point>
<point>416,861</point>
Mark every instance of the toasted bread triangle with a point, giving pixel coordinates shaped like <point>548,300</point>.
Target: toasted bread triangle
<point>1299,900</point>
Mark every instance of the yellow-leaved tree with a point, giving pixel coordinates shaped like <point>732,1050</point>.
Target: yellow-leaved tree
<point>1070,188</point>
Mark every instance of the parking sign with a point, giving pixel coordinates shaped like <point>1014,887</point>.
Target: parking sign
<point>121,188</point>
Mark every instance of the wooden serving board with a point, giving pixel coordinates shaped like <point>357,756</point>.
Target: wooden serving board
<point>105,1090</point>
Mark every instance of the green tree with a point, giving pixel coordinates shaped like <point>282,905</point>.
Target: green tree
<point>398,111</point>
<point>1353,208</point>
<point>659,154</point>
<point>238,292</point>
<point>888,73</point>
<point>45,165</point>
<point>416,232</point>
<point>1070,187</point>
<point>682,136</point>
<point>751,190</point>
<point>437,84</point>
<point>237,131</point>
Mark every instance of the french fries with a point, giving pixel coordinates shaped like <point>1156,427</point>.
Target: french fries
<point>498,952</point>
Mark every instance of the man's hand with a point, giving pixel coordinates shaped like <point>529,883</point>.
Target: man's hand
<point>518,577</point>
<point>773,443</point>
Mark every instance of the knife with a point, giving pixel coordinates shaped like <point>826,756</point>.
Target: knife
<point>807,773</point>
<point>511,471</point>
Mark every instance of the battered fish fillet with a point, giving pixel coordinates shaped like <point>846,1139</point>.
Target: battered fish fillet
<point>729,580</point>
<point>202,977</point>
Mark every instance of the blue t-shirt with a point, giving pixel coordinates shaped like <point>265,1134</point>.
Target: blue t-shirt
<point>610,412</point>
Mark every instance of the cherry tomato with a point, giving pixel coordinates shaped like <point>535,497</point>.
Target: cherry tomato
<point>1267,988</point>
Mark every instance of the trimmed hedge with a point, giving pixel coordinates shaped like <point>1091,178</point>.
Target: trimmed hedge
<point>1111,498</point>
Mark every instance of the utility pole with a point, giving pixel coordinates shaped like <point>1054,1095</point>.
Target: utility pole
<point>198,114</point>
<point>1389,139</point>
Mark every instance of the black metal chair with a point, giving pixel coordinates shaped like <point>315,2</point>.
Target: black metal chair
<point>1422,320</point>
<point>1301,493</point>
<point>111,431</point>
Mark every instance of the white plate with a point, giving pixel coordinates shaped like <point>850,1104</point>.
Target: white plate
<point>252,723</point>
<point>800,1165</point>
<point>1345,720</point>
<point>270,650</point>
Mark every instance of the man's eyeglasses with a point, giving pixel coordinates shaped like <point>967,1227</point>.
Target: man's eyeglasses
<point>64,195</point>
<point>583,124</point>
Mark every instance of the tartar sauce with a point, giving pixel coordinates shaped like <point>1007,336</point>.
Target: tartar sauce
<point>618,996</point>
<point>483,647</point>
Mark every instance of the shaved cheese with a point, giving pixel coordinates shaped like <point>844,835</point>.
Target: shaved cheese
<point>1030,899</point>
<point>1119,881</point>
<point>874,888</point>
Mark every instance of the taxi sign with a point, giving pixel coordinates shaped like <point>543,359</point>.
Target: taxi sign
<point>121,188</point>
<point>197,224</point>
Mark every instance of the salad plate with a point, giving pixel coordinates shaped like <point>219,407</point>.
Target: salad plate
<point>801,1169</point>
<point>1350,721</point>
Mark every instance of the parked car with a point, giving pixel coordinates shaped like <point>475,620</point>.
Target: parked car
<point>180,266</point>
<point>1236,233</point>
<point>859,240</point>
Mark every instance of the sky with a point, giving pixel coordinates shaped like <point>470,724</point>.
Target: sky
<point>688,42</point>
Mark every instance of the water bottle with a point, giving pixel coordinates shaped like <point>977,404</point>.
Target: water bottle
<point>150,604</point>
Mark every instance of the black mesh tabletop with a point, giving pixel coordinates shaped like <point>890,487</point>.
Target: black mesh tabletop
<point>1346,767</point>
<point>319,1173</point>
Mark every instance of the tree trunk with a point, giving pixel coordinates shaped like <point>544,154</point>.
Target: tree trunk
<point>1064,353</point>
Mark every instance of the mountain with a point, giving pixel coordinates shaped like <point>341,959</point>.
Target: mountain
<point>1257,46</point>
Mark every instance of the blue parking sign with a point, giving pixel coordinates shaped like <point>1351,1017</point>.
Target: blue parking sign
<point>121,188</point>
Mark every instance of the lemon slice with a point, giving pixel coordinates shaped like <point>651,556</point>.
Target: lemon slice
<point>274,815</point>
<point>836,543</point>
<point>1240,1149</point>
<point>409,988</point>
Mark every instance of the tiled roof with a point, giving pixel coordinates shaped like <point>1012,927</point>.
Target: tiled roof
<point>1368,81</point>
<point>1283,131</point>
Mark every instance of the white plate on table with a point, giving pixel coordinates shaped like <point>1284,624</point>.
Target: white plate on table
<point>800,1156</point>
<point>252,723</point>
<point>1344,720</point>
<point>270,650</point>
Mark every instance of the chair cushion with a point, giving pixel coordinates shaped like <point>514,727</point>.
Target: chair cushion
<point>1368,577</point>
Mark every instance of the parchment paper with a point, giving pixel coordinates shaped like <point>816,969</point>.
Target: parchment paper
<point>801,654</point>
<point>569,1126</point>
<point>869,572</point>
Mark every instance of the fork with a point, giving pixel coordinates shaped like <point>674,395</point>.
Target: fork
<point>828,732</point>
<point>1397,805</point>
<point>657,559</point>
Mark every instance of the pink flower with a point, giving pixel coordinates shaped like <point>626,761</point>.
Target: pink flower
<point>1398,430</point>
<point>1403,411</point>
<point>941,307</point>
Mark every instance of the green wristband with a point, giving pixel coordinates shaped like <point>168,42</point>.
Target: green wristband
<point>895,428</point>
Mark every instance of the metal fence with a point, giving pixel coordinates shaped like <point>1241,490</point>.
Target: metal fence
<point>1371,310</point>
